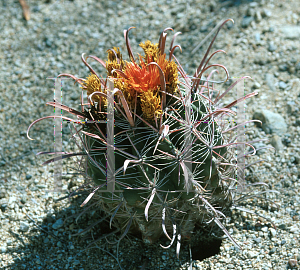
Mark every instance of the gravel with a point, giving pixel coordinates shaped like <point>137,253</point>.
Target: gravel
<point>263,43</point>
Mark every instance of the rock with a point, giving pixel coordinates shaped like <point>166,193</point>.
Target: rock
<point>266,13</point>
<point>292,70</point>
<point>270,80</point>
<point>273,232</point>
<point>3,204</point>
<point>252,254</point>
<point>26,75</point>
<point>287,183</point>
<point>277,143</point>
<point>258,16</point>
<point>271,29</point>
<point>2,194</point>
<point>257,38</point>
<point>41,186</point>
<point>246,21</point>
<point>227,247</point>
<point>293,263</point>
<point>290,31</point>
<point>282,85</point>
<point>253,4</point>
<point>292,108</point>
<point>66,130</point>
<point>256,85</point>
<point>28,176</point>
<point>271,122</point>
<point>283,67</point>
<point>12,199</point>
<point>294,229</point>
<point>260,59</point>
<point>24,198</point>
<point>251,12</point>
<point>24,226</point>
<point>272,47</point>
<point>48,42</point>
<point>58,224</point>
<point>204,28</point>
<point>257,240</point>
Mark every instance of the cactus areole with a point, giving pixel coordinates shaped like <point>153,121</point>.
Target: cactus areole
<point>172,166</point>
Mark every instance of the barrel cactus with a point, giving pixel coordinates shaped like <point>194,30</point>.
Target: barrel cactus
<point>157,146</point>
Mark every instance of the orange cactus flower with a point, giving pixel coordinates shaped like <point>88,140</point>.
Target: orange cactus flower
<point>143,78</point>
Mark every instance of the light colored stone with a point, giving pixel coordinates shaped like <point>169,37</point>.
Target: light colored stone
<point>252,254</point>
<point>271,122</point>
<point>276,143</point>
<point>290,31</point>
<point>272,231</point>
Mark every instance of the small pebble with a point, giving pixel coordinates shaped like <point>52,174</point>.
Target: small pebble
<point>266,13</point>
<point>257,37</point>
<point>257,240</point>
<point>273,232</point>
<point>270,81</point>
<point>272,47</point>
<point>283,242</point>
<point>293,262</point>
<point>276,142</point>
<point>282,85</point>
<point>252,254</point>
<point>2,194</point>
<point>246,21</point>
<point>59,223</point>
<point>24,226</point>
<point>256,85</point>
<point>272,251</point>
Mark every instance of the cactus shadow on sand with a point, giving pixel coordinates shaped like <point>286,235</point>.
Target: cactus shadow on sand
<point>42,244</point>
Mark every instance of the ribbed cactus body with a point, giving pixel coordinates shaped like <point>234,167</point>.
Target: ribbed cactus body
<point>160,171</point>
